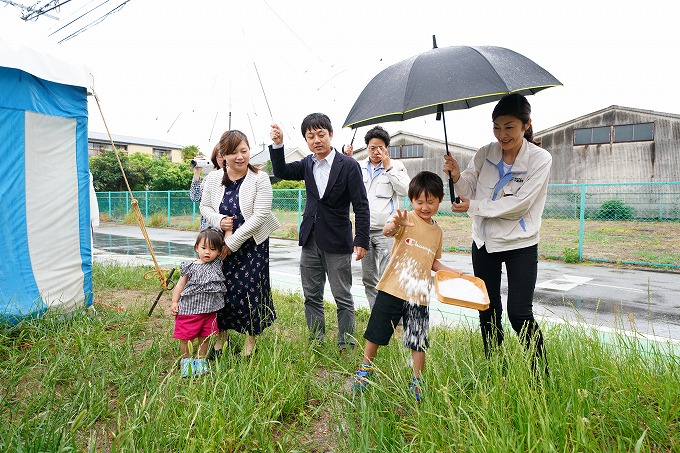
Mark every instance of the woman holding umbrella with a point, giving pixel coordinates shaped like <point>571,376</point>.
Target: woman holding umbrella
<point>503,190</point>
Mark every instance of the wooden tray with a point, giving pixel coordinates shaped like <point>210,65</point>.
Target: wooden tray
<point>441,276</point>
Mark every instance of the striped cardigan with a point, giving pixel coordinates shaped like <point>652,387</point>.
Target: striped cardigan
<point>255,201</point>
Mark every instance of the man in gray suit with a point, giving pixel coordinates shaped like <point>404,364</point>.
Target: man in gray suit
<point>333,182</point>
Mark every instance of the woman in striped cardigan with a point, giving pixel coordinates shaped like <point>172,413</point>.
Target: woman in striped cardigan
<point>241,201</point>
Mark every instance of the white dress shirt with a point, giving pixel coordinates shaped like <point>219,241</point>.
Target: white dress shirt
<point>322,170</point>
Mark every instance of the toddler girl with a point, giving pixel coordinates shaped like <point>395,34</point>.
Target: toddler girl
<point>198,295</point>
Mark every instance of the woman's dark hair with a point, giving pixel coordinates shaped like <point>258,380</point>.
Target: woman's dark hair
<point>213,157</point>
<point>377,132</point>
<point>315,121</point>
<point>228,144</point>
<point>514,104</point>
<point>211,237</point>
<point>428,183</point>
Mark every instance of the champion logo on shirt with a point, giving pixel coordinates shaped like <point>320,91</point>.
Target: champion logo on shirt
<point>413,243</point>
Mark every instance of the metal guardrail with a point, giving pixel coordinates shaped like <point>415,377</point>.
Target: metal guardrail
<point>631,223</point>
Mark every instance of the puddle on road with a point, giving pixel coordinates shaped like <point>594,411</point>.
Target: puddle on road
<point>123,245</point>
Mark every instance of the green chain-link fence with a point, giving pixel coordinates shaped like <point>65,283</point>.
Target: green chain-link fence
<point>632,223</point>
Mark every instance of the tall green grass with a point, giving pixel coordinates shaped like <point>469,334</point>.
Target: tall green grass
<point>106,380</point>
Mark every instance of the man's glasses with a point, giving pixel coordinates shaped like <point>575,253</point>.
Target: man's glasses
<point>376,148</point>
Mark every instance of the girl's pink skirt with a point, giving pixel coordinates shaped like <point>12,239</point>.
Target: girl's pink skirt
<point>189,327</point>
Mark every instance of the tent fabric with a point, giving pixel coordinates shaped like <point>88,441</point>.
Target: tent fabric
<point>42,65</point>
<point>23,91</point>
<point>45,235</point>
<point>19,294</point>
<point>48,139</point>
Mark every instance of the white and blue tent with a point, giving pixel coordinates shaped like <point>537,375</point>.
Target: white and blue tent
<point>45,235</point>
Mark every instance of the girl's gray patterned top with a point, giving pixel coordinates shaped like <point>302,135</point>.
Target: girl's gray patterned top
<point>205,288</point>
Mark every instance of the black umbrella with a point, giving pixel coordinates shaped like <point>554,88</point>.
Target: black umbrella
<point>448,78</point>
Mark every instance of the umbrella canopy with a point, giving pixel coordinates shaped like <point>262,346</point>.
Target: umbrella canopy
<point>447,78</point>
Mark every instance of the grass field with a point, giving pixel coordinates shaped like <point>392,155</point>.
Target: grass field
<point>106,380</point>
<point>653,243</point>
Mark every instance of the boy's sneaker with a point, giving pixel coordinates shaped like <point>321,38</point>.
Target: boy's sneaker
<point>187,367</point>
<point>416,388</point>
<point>362,377</point>
<point>201,366</point>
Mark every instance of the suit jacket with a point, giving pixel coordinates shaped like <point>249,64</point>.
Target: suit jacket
<point>328,214</point>
<point>255,201</point>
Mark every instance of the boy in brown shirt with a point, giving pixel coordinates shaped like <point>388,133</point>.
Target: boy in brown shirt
<point>403,290</point>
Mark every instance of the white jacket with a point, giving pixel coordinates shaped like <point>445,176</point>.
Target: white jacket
<point>384,190</point>
<point>506,214</point>
<point>255,201</point>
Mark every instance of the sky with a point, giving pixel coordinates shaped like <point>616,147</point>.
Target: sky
<point>185,71</point>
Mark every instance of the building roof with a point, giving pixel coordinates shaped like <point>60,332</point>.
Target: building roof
<point>600,112</point>
<point>263,156</point>
<point>259,158</point>
<point>127,140</point>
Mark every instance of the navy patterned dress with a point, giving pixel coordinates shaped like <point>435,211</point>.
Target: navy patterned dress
<point>248,307</point>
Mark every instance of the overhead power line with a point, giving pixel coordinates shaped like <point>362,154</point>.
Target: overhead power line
<point>79,17</point>
<point>293,32</point>
<point>94,22</point>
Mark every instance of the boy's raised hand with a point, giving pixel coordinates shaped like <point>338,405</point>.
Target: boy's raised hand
<point>401,218</point>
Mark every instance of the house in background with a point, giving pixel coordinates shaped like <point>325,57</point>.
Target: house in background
<point>419,153</point>
<point>614,145</point>
<point>292,155</point>
<point>261,159</point>
<point>98,142</point>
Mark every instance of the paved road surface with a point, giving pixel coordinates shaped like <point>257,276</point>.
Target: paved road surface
<point>632,300</point>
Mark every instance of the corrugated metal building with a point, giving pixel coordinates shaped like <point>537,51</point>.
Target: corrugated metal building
<point>419,153</point>
<point>614,145</point>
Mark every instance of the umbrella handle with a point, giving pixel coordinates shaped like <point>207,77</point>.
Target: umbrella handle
<point>454,198</point>
<point>452,192</point>
<point>440,113</point>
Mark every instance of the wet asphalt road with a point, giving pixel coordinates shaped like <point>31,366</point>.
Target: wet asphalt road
<point>634,300</point>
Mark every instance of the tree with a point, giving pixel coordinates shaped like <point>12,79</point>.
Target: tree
<point>168,176</point>
<point>143,172</point>
<point>107,176</point>
<point>139,170</point>
<point>189,152</point>
<point>288,184</point>
<point>614,210</point>
<point>268,167</point>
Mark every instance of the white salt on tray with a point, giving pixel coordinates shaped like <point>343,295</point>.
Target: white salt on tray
<point>461,289</point>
